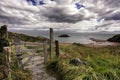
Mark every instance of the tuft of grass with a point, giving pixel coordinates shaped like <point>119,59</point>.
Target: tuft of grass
<point>17,73</point>
<point>102,63</point>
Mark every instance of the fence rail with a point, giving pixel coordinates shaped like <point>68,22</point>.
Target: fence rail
<point>20,56</point>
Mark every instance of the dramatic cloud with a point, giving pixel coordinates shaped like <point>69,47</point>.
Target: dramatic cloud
<point>80,15</point>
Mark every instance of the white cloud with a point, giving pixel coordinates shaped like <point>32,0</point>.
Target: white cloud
<point>61,14</point>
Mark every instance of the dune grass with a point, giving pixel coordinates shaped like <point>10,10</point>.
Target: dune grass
<point>103,63</point>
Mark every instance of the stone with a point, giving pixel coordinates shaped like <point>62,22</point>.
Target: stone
<point>77,62</point>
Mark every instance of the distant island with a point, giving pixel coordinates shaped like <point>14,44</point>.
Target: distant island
<point>64,35</point>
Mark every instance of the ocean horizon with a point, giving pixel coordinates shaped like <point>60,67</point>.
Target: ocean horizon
<point>75,37</point>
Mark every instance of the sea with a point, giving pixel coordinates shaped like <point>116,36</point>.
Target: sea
<point>75,37</point>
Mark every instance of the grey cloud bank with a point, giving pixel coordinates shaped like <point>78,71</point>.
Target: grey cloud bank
<point>97,15</point>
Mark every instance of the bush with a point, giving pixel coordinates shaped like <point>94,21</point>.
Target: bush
<point>3,43</point>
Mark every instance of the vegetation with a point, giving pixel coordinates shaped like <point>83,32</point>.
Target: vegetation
<point>115,38</point>
<point>17,73</point>
<point>3,43</point>
<point>102,63</point>
<point>24,37</point>
<point>3,31</point>
<point>3,34</point>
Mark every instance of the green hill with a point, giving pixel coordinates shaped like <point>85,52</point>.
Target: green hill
<point>25,37</point>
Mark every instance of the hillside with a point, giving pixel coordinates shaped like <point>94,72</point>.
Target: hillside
<point>25,37</point>
<point>115,38</point>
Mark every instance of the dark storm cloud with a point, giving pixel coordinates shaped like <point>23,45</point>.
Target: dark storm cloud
<point>58,12</point>
<point>115,16</point>
<point>60,15</point>
<point>112,3</point>
<point>13,20</point>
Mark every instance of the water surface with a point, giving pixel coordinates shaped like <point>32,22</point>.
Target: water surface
<point>81,37</point>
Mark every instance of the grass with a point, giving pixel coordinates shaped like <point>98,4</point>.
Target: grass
<point>16,72</point>
<point>1,67</point>
<point>31,47</point>
<point>103,63</point>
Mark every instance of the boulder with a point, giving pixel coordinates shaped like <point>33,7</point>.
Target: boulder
<point>77,62</point>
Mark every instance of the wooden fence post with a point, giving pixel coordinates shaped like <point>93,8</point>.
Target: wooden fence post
<point>51,42</point>
<point>18,52</point>
<point>45,51</point>
<point>19,57</point>
<point>4,32</point>
<point>57,48</point>
<point>7,62</point>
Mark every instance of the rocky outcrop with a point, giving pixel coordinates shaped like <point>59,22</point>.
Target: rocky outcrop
<point>115,38</point>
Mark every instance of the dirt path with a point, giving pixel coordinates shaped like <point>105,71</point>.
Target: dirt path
<point>35,63</point>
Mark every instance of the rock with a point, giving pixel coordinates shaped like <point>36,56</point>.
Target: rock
<point>64,35</point>
<point>77,62</point>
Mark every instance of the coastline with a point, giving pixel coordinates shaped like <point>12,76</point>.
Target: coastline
<point>96,43</point>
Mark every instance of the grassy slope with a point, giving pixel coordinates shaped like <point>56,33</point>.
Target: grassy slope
<point>24,37</point>
<point>103,63</point>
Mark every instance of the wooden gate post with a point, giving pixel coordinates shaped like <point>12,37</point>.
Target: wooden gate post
<point>4,32</point>
<point>57,48</point>
<point>18,52</point>
<point>51,42</point>
<point>19,57</point>
<point>45,51</point>
<point>7,62</point>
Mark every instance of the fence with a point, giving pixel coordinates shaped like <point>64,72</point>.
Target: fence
<point>52,44</point>
<point>7,62</point>
<point>18,46</point>
<point>19,56</point>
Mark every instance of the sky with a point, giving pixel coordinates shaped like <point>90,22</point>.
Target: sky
<point>78,15</point>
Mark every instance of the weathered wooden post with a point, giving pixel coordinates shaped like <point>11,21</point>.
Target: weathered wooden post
<point>19,57</point>
<point>57,48</point>
<point>51,42</point>
<point>7,62</point>
<point>3,31</point>
<point>18,53</point>
<point>45,51</point>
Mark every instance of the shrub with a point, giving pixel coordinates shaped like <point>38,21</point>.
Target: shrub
<point>3,43</point>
